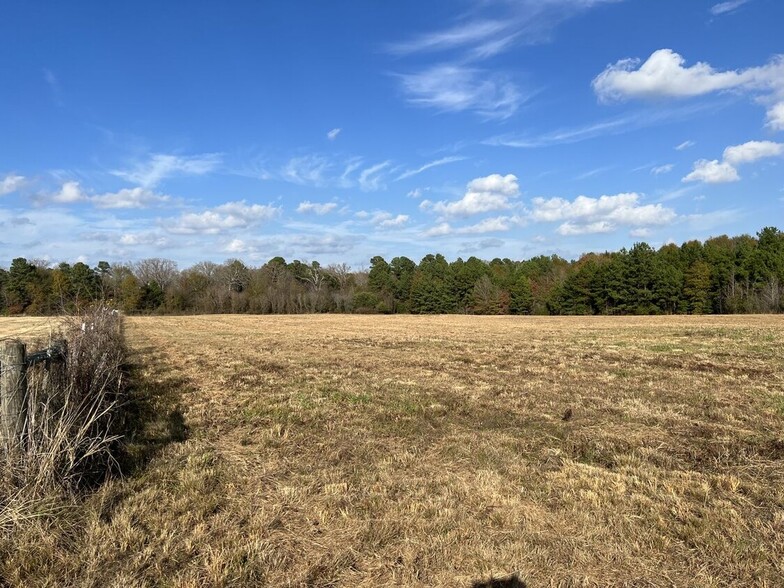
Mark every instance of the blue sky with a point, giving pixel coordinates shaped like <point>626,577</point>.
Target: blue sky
<point>335,131</point>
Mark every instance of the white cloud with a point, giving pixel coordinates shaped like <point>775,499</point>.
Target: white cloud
<point>11,183</point>
<point>388,220</point>
<point>229,216</point>
<point>370,179</point>
<point>752,151</point>
<point>236,246</point>
<point>460,35</point>
<point>725,7</point>
<point>519,21</point>
<point>640,233</point>
<point>161,166</point>
<point>685,145</point>
<point>439,230</point>
<point>662,169</point>
<point>664,75</point>
<point>129,198</point>
<point>415,193</point>
<point>310,170</point>
<point>487,194</point>
<point>719,172</point>
<point>333,134</point>
<point>316,207</point>
<point>712,172</point>
<point>70,193</point>
<point>569,228</point>
<point>458,88</point>
<point>146,238</point>
<point>427,166</point>
<point>488,225</point>
<point>776,117</point>
<point>614,126</point>
<point>600,215</point>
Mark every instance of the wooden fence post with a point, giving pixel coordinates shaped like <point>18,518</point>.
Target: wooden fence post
<point>13,394</point>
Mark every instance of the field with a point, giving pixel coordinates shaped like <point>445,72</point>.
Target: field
<point>435,451</point>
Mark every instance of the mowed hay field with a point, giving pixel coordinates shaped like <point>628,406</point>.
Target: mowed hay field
<point>27,328</point>
<point>436,451</point>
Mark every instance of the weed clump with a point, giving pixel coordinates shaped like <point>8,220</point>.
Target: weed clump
<point>74,417</point>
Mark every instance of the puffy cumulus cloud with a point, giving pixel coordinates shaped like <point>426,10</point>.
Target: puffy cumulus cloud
<point>129,198</point>
<point>569,228</point>
<point>226,217</point>
<point>11,183</point>
<point>457,88</point>
<point>586,215</point>
<point>720,172</point>
<point>387,220</point>
<point>439,230</point>
<point>318,208</point>
<point>489,225</point>
<point>776,117</point>
<point>712,172</point>
<point>752,151</point>
<point>161,166</point>
<point>487,194</point>
<point>664,74</point>
<point>70,193</point>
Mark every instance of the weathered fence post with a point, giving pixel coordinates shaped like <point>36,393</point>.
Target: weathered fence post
<point>13,394</point>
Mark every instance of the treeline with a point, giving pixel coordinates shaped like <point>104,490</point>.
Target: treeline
<point>742,274</point>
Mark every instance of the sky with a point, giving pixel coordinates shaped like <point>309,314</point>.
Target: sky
<point>337,131</point>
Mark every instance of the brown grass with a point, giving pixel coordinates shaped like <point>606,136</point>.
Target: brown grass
<point>434,451</point>
<point>28,328</point>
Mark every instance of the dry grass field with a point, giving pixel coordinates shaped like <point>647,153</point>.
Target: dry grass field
<point>435,451</point>
<point>27,328</point>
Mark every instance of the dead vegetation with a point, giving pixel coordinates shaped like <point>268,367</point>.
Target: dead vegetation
<point>435,451</point>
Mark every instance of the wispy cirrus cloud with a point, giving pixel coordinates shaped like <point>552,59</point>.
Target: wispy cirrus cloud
<point>456,83</point>
<point>727,7</point>
<point>459,88</point>
<point>54,87</point>
<point>160,166</point>
<point>443,161</point>
<point>627,123</point>
<point>371,178</point>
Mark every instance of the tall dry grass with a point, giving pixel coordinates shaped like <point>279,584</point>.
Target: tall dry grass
<point>74,419</point>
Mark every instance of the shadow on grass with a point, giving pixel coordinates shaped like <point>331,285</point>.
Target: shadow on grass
<point>512,581</point>
<point>153,416</point>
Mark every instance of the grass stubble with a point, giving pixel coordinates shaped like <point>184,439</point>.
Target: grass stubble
<point>435,451</point>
